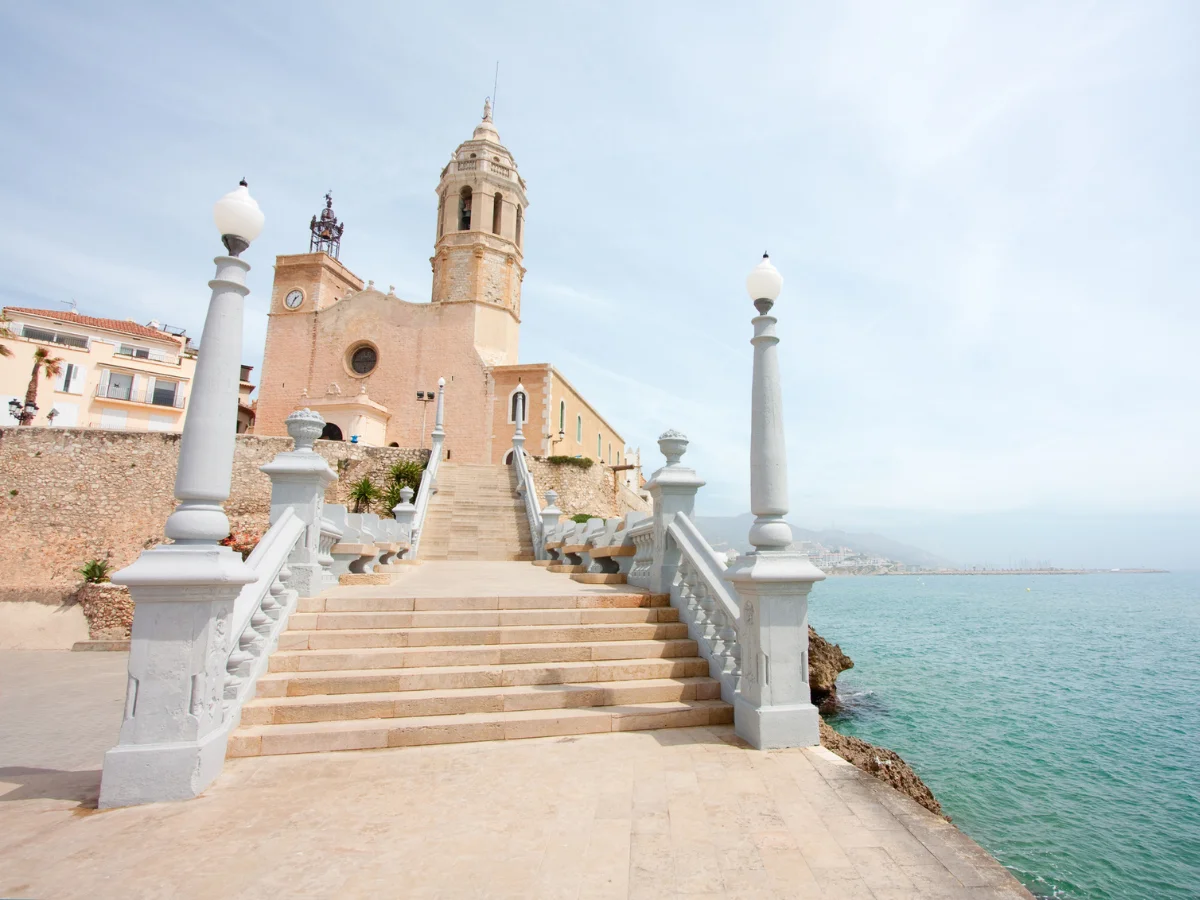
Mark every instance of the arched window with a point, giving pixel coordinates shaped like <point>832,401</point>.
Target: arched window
<point>441,214</point>
<point>610,453</point>
<point>599,446</point>
<point>331,432</point>
<point>497,211</point>
<point>464,209</point>
<point>517,240</point>
<point>579,429</point>
<point>562,416</point>
<point>618,457</point>
<point>518,396</point>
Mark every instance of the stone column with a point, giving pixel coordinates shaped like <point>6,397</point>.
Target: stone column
<point>404,512</point>
<point>673,489</point>
<point>298,481</point>
<point>439,433</point>
<point>772,707</point>
<point>172,739</point>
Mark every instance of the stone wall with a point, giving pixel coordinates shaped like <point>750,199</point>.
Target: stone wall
<point>595,491</point>
<point>69,495</point>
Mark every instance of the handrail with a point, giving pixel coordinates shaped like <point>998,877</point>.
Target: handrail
<point>261,610</point>
<point>705,603</point>
<point>529,491</point>
<point>424,492</point>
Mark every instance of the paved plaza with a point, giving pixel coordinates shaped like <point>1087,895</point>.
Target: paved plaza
<point>677,812</point>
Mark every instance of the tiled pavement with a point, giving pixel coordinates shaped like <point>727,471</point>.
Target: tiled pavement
<point>672,813</point>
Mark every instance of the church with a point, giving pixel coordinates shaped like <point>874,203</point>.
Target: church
<point>369,362</point>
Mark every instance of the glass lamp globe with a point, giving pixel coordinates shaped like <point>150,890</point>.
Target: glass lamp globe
<point>237,216</point>
<point>764,281</point>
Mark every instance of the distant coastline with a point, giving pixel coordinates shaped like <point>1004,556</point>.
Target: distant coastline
<point>843,571</point>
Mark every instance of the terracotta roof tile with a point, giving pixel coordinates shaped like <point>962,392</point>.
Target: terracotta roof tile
<point>120,325</point>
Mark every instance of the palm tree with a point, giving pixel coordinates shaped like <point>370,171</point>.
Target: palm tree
<point>43,363</point>
<point>362,494</point>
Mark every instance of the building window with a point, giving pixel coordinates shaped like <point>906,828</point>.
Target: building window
<point>464,209</point>
<point>600,447</point>
<point>165,393</point>
<point>54,337</point>
<point>72,379</point>
<point>119,386</point>
<point>610,453</point>
<point>518,395</point>
<point>562,416</point>
<point>517,240</point>
<point>497,212</point>
<point>579,429</point>
<point>363,358</point>
<point>441,214</point>
<point>618,457</point>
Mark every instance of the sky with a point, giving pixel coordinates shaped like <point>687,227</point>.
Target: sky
<point>986,216</point>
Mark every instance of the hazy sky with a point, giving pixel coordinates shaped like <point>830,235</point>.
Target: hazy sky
<point>986,215</point>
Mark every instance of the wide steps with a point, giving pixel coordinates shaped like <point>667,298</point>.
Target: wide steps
<point>494,655</point>
<point>430,678</point>
<point>361,638</point>
<point>471,618</point>
<point>355,602</point>
<point>459,701</point>
<point>365,734</point>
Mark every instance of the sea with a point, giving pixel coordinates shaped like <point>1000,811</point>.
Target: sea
<point>1055,717</point>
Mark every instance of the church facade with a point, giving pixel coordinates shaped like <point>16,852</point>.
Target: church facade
<point>369,361</point>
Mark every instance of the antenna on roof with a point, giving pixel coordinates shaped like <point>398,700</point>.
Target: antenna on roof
<point>71,303</point>
<point>495,87</point>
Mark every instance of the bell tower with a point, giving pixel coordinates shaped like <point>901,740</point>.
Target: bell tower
<point>480,234</point>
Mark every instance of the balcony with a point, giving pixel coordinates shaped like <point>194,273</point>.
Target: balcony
<point>157,397</point>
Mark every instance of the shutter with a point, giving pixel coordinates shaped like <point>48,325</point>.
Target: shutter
<point>78,380</point>
<point>63,378</point>
<point>150,389</point>
<point>103,389</point>
<point>139,382</point>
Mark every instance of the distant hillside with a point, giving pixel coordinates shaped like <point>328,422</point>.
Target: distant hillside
<point>729,532</point>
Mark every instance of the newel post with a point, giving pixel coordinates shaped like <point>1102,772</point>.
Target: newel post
<point>403,513</point>
<point>773,707</point>
<point>673,488</point>
<point>298,481</point>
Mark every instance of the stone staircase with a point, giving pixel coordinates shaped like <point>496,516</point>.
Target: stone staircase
<point>476,514</point>
<point>367,668</point>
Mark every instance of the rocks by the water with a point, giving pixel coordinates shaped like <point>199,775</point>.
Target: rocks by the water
<point>883,764</point>
<point>825,662</point>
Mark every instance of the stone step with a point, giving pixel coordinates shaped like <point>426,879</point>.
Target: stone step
<point>457,701</point>
<point>365,734</point>
<point>487,655</point>
<point>468,618</point>
<point>331,602</point>
<point>504,635</point>
<point>429,678</point>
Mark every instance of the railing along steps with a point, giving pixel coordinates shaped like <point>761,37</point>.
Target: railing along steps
<point>366,672</point>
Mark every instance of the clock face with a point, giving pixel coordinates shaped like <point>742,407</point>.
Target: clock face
<point>293,299</point>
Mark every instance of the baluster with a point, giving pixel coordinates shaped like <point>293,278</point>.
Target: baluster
<point>238,665</point>
<point>709,632</point>
<point>261,623</point>
<point>717,621</point>
<point>729,639</point>
<point>700,610</point>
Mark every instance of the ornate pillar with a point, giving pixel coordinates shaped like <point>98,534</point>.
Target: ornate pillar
<point>773,707</point>
<point>298,481</point>
<point>673,488</point>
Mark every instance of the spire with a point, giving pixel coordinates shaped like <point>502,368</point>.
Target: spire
<point>326,230</point>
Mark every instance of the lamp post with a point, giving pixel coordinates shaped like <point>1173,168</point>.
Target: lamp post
<point>24,414</point>
<point>424,398</point>
<point>773,707</point>
<point>172,739</point>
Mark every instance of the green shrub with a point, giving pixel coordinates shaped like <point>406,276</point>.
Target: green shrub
<point>362,494</point>
<point>407,474</point>
<point>580,518</point>
<point>581,462</point>
<point>95,571</point>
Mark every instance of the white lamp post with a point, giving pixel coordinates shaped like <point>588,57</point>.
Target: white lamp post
<point>773,707</point>
<point>172,739</point>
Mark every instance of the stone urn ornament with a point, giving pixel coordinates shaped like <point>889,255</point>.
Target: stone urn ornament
<point>673,444</point>
<point>305,426</point>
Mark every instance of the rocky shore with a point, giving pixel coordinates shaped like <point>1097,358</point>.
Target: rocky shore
<point>825,662</point>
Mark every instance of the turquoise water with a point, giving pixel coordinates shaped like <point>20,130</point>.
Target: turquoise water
<point>1056,717</point>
